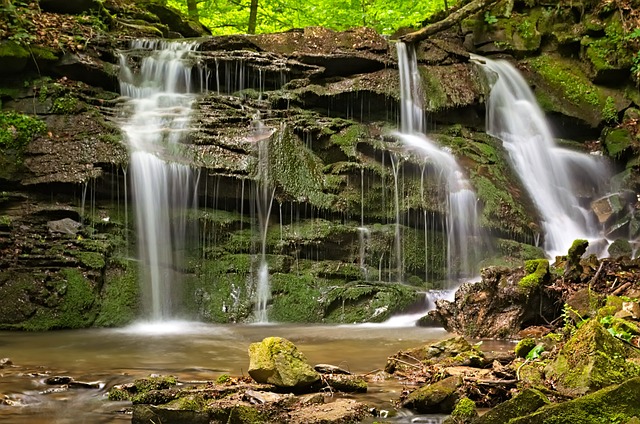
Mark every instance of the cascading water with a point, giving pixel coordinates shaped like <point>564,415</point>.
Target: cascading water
<point>160,97</point>
<point>513,115</point>
<point>461,221</point>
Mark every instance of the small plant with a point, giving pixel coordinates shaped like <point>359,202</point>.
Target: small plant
<point>609,111</point>
<point>489,18</point>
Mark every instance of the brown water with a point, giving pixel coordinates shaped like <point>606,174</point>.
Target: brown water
<point>190,351</point>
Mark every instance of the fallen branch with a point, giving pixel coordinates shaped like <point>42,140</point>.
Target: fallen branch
<point>455,17</point>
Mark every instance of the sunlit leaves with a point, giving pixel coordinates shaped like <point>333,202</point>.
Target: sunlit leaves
<point>385,16</point>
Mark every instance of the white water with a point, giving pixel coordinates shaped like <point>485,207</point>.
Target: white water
<point>264,202</point>
<point>547,171</point>
<point>461,221</point>
<point>160,100</point>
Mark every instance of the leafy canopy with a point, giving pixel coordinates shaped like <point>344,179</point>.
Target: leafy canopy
<point>385,16</point>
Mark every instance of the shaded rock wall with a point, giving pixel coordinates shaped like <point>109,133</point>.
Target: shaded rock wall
<point>324,102</point>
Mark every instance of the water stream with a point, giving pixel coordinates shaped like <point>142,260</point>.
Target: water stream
<point>547,171</point>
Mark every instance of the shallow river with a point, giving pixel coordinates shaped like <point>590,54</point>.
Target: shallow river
<point>190,351</point>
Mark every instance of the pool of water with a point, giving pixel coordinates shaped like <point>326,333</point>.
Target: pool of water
<point>190,351</point>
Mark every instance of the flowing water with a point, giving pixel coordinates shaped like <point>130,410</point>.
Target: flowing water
<point>548,172</point>
<point>462,219</point>
<point>191,351</point>
<point>160,94</point>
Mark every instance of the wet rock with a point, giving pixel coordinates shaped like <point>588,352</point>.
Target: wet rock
<point>330,369</point>
<point>5,362</point>
<point>277,361</point>
<point>591,360</point>
<point>526,402</point>
<point>64,226</point>
<point>439,397</point>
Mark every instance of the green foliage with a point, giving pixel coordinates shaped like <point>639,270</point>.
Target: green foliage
<point>535,352</point>
<point>17,129</point>
<point>524,346</point>
<point>385,16</point>
<point>18,20</point>
<point>489,18</point>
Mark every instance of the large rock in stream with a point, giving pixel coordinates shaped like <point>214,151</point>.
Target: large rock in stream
<point>277,361</point>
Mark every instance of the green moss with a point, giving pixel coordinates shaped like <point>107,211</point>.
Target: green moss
<point>92,260</point>
<point>465,410</point>
<point>223,378</point>
<point>367,302</point>
<point>590,360</point>
<point>617,142</point>
<point>65,105</point>
<point>17,130</point>
<point>120,296</point>
<point>577,249</point>
<point>137,390</point>
<point>295,298</point>
<point>295,170</point>
<point>524,346</point>
<point>10,50</point>
<point>431,84</point>
<point>74,304</point>
<point>239,414</point>
<point>614,404</point>
<point>348,138</point>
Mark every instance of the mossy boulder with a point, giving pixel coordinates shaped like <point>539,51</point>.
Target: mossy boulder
<point>439,397</point>
<point>277,361</point>
<point>573,268</point>
<point>526,402</point>
<point>537,273</point>
<point>464,412</point>
<point>145,390</point>
<point>614,404</point>
<point>590,360</point>
<point>524,346</point>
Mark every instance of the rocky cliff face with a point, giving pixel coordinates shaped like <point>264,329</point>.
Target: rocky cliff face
<point>325,103</point>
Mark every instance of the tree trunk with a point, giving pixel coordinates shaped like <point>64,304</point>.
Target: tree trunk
<point>253,17</point>
<point>455,17</point>
<point>192,7</point>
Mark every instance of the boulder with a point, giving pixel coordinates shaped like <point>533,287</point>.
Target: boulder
<point>590,360</point>
<point>439,397</point>
<point>277,361</point>
<point>64,226</point>
<point>526,402</point>
<point>619,403</point>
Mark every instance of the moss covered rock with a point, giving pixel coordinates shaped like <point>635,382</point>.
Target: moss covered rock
<point>590,360</point>
<point>439,397</point>
<point>277,361</point>
<point>526,402</point>
<point>618,403</point>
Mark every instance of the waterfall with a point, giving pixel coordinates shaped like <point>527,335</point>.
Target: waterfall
<point>159,102</point>
<point>461,221</point>
<point>547,171</point>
